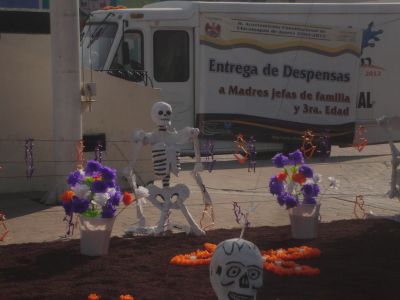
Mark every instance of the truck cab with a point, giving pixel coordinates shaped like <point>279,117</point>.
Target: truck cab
<point>154,47</point>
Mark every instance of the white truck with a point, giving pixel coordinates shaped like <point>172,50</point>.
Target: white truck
<point>267,70</point>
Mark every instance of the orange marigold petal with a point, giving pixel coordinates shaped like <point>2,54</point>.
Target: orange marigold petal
<point>93,296</point>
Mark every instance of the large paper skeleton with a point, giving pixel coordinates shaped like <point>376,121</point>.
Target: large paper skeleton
<point>164,142</point>
<point>389,124</point>
<point>236,270</point>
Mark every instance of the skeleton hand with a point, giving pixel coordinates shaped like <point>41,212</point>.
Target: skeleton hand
<point>140,136</point>
<point>186,135</point>
<point>194,132</point>
<point>198,167</point>
<point>139,191</point>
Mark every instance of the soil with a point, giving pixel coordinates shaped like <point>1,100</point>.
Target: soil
<point>359,260</point>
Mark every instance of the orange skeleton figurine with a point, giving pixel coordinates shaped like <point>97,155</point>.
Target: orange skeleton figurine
<point>359,206</point>
<point>3,224</point>
<point>241,146</point>
<point>360,141</point>
<point>308,147</point>
<point>207,219</point>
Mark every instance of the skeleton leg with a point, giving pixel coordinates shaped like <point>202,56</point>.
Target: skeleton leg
<point>140,213</point>
<point>139,204</point>
<point>164,206</point>
<point>194,228</point>
<point>206,196</point>
<point>163,216</point>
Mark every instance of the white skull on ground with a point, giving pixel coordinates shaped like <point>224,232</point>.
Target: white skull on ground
<point>236,270</point>
<point>161,113</point>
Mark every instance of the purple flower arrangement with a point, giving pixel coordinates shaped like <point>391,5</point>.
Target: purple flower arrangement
<point>294,184</point>
<point>93,191</point>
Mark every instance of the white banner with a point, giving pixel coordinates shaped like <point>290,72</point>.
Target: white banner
<point>274,71</point>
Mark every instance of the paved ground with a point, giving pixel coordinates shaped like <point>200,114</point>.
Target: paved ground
<point>364,173</point>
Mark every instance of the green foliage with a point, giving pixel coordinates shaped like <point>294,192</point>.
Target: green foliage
<point>91,213</point>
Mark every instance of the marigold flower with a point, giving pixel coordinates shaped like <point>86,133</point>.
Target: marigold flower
<point>126,297</point>
<point>97,178</point>
<point>299,178</point>
<point>128,198</point>
<point>281,176</point>
<point>93,296</point>
<point>67,196</point>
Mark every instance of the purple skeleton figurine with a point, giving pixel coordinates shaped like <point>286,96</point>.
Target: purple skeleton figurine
<point>251,148</point>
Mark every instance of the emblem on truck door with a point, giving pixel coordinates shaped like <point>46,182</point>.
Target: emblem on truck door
<point>213,29</point>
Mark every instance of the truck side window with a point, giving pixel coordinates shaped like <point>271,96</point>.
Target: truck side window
<point>128,60</point>
<point>171,56</point>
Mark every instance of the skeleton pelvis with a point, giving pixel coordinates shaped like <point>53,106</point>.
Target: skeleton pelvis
<point>168,197</point>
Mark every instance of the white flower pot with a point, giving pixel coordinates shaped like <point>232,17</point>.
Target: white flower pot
<point>95,235</point>
<point>304,221</point>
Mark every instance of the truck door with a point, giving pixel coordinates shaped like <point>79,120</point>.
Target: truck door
<point>173,72</point>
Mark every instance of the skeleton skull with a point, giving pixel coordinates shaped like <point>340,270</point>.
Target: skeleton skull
<point>161,113</point>
<point>236,270</point>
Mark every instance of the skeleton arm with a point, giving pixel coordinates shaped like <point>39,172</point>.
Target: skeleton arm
<point>140,138</point>
<point>190,134</point>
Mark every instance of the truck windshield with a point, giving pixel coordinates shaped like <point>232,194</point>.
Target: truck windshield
<point>96,42</point>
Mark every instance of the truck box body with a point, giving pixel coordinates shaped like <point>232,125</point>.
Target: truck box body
<point>267,70</point>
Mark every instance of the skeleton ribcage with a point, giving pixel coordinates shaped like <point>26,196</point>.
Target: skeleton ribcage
<point>160,164</point>
<point>165,161</point>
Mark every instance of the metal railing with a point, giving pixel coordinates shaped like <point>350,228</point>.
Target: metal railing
<point>134,76</point>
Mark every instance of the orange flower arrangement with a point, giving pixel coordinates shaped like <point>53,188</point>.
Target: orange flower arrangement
<point>126,297</point>
<point>291,253</point>
<point>199,257</point>
<point>279,261</point>
<point>210,247</point>
<point>93,296</point>
<point>290,268</point>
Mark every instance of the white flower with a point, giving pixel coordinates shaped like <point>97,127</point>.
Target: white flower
<point>278,262</point>
<point>111,191</point>
<point>101,198</point>
<point>141,192</point>
<point>317,178</point>
<point>333,183</point>
<point>82,191</point>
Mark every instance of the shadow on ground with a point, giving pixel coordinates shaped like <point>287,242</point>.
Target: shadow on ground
<point>20,204</point>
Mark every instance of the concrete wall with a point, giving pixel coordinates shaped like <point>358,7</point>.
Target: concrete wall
<point>26,111</point>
